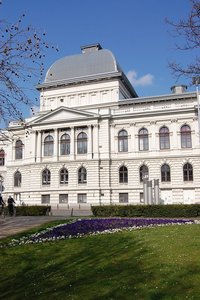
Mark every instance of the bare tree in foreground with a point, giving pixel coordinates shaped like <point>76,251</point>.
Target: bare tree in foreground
<point>21,59</point>
<point>189,30</point>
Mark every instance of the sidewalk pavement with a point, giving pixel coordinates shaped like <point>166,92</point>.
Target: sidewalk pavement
<point>13,225</point>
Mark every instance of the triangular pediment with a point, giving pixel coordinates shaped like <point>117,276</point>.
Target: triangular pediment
<point>63,114</point>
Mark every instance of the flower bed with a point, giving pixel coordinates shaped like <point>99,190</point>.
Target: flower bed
<point>81,227</point>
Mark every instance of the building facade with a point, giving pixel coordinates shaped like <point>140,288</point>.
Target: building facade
<point>94,141</point>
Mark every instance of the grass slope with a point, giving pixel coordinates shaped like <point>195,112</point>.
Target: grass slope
<point>155,263</point>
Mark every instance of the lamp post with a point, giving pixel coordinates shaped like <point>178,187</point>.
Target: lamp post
<point>196,81</point>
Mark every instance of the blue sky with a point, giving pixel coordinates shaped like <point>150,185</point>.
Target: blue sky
<point>134,30</point>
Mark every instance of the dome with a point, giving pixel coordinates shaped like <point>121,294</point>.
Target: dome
<point>92,62</point>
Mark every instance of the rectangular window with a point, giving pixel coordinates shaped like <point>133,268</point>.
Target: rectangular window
<point>45,199</point>
<point>82,198</point>
<point>63,198</point>
<point>123,197</point>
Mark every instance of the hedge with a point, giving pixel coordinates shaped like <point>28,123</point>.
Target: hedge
<point>30,210</point>
<point>173,211</point>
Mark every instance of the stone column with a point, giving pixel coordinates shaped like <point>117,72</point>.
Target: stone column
<point>39,147</point>
<point>96,141</point>
<point>156,191</point>
<point>72,145</point>
<point>145,192</point>
<point>149,192</point>
<point>90,142</point>
<point>56,144</point>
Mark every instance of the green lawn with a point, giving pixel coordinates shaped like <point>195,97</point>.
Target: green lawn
<point>155,263</point>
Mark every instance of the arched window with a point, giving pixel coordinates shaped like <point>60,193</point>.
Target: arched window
<point>46,176</point>
<point>82,143</point>
<point>65,144</point>
<point>2,157</point>
<point>164,138</point>
<point>187,172</point>
<point>123,174</point>
<point>63,176</point>
<point>82,175</point>
<point>18,149</point>
<point>48,145</point>
<point>186,141</point>
<point>144,172</point>
<point>165,173</point>
<point>17,179</point>
<point>123,141</point>
<point>143,139</point>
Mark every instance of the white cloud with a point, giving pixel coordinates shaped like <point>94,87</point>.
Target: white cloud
<point>139,81</point>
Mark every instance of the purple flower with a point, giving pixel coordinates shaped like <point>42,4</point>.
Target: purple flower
<point>89,226</point>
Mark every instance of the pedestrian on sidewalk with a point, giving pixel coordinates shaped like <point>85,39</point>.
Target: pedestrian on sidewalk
<point>11,203</point>
<point>2,203</point>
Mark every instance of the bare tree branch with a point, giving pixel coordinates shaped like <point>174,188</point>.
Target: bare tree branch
<point>189,30</point>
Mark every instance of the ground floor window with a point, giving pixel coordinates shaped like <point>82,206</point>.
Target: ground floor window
<point>123,197</point>
<point>63,198</point>
<point>45,199</point>
<point>82,198</point>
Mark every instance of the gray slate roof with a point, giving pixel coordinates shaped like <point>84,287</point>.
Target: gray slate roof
<point>83,65</point>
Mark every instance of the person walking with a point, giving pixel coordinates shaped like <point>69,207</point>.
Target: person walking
<point>11,203</point>
<point>2,203</point>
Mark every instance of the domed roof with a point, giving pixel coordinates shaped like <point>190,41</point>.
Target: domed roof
<point>93,61</point>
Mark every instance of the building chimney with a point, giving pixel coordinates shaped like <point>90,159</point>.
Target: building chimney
<point>90,48</point>
<point>179,89</point>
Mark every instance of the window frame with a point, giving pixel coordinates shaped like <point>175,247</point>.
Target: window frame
<point>62,201</point>
<point>46,177</point>
<point>142,173</point>
<point>123,198</point>
<point>2,157</point>
<point>165,173</point>
<point>17,179</point>
<point>83,197</point>
<point>164,138</point>
<point>82,175</point>
<point>48,145</point>
<point>65,174</point>
<point>18,149</point>
<point>123,174</point>
<point>65,144</point>
<point>123,141</point>
<point>143,136</point>
<point>186,137</point>
<point>82,143</point>
<point>188,172</point>
<point>48,196</point>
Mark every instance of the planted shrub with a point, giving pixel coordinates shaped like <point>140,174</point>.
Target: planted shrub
<point>173,210</point>
<point>33,210</point>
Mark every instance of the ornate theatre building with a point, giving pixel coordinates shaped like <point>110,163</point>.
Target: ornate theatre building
<point>94,141</point>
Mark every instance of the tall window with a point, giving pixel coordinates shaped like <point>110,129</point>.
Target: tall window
<point>123,141</point>
<point>82,175</point>
<point>186,141</point>
<point>2,157</point>
<point>17,179</point>
<point>143,139</point>
<point>48,145</point>
<point>165,173</point>
<point>18,149</point>
<point>65,144</point>
<point>82,143</point>
<point>187,172</point>
<point>46,177</point>
<point>164,138</point>
<point>123,174</point>
<point>144,172</point>
<point>63,176</point>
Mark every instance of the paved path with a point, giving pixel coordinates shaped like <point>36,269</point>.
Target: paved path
<point>13,225</point>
